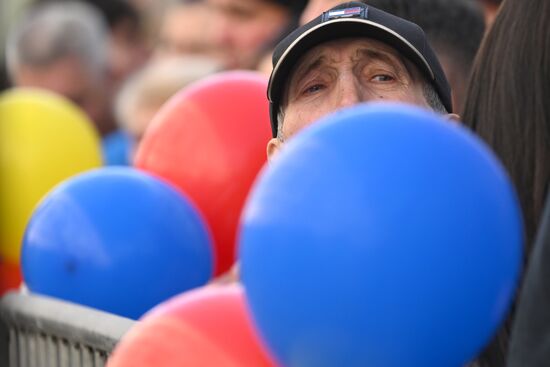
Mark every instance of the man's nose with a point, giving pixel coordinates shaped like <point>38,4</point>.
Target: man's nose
<point>350,93</point>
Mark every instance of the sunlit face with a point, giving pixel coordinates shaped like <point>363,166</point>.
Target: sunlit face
<point>343,73</point>
<point>242,28</point>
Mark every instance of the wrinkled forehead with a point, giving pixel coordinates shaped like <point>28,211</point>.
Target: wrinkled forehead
<point>350,45</point>
<point>338,50</point>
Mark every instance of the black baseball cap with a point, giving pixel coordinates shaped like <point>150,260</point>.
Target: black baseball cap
<point>355,19</point>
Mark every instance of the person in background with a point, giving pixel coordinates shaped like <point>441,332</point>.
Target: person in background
<point>454,28</point>
<point>507,105</point>
<point>143,94</point>
<point>127,50</point>
<point>185,30</point>
<point>151,13</point>
<point>62,47</point>
<point>531,329</point>
<point>244,29</point>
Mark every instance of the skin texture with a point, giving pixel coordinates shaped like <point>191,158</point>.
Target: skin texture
<point>343,73</point>
<point>242,28</point>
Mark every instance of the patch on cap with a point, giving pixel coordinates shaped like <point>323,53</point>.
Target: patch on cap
<point>355,12</point>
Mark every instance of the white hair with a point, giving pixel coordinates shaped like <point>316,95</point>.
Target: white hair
<point>52,31</point>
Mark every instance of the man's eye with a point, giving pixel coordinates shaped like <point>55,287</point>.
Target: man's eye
<point>382,78</point>
<point>314,88</point>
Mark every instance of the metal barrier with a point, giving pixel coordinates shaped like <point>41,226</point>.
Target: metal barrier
<point>37,331</point>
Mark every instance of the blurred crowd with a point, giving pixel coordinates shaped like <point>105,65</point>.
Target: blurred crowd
<point>120,61</point>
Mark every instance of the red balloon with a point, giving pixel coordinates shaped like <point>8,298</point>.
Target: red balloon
<point>10,276</point>
<point>210,141</point>
<point>205,327</point>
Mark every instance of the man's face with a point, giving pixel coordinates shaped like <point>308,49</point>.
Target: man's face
<point>343,73</point>
<point>242,28</point>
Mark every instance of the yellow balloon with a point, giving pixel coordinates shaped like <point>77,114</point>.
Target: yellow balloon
<point>44,139</point>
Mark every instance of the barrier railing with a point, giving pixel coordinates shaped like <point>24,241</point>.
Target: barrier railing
<point>37,331</point>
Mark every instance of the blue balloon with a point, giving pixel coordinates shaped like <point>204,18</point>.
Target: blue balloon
<point>118,240</point>
<point>381,236</point>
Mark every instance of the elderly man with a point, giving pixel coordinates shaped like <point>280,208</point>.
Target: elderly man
<point>350,54</point>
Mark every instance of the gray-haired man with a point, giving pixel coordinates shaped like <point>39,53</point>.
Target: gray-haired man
<point>352,53</point>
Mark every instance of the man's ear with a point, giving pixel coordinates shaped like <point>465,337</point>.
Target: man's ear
<point>453,117</point>
<point>273,147</point>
